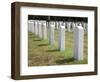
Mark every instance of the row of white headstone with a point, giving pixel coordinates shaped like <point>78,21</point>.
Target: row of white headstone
<point>40,29</point>
<point>70,26</point>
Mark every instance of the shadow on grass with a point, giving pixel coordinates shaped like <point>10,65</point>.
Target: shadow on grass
<point>43,44</point>
<point>37,39</point>
<point>62,61</point>
<point>55,50</point>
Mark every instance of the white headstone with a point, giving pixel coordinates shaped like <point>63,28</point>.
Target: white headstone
<point>32,28</point>
<point>44,30</point>
<point>73,26</point>
<point>62,37</point>
<point>60,23</point>
<point>69,26</point>
<point>84,25</point>
<point>51,33</point>
<point>54,23</point>
<point>29,26</point>
<point>36,27</point>
<point>40,29</point>
<point>48,25</point>
<point>57,25</point>
<point>78,42</point>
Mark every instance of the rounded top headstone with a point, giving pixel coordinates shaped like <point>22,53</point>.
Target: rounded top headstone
<point>62,26</point>
<point>52,25</point>
<point>40,21</point>
<point>80,26</point>
<point>44,23</point>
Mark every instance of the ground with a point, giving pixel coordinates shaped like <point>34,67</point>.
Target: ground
<point>41,53</point>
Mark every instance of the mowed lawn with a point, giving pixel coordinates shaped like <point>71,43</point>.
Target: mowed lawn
<point>41,53</point>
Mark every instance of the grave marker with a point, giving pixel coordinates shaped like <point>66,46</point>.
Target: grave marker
<point>40,29</point>
<point>32,28</point>
<point>69,26</point>
<point>73,26</point>
<point>57,25</point>
<point>30,25</point>
<point>51,33</point>
<point>78,42</point>
<point>62,37</point>
<point>44,30</point>
<point>36,27</point>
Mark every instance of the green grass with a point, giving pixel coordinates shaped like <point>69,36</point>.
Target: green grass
<point>41,53</point>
